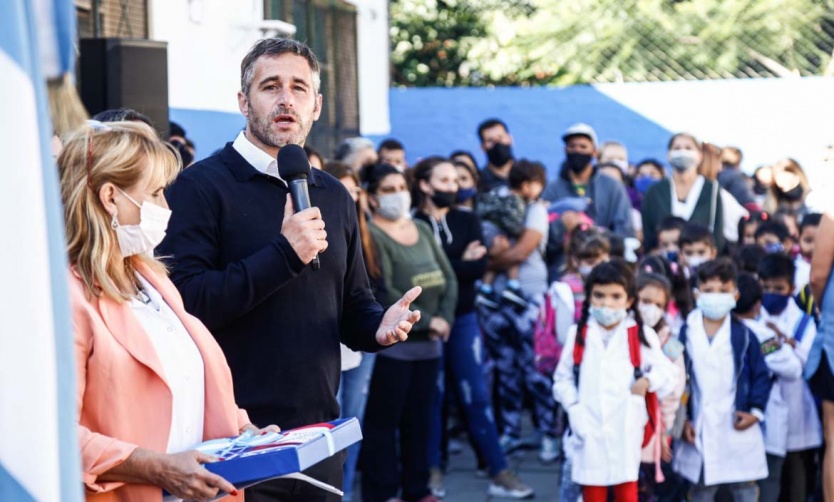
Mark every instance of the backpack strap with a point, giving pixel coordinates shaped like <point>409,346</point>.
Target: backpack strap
<point>799,330</point>
<point>634,350</point>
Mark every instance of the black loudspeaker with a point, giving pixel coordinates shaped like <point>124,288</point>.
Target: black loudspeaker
<point>125,73</point>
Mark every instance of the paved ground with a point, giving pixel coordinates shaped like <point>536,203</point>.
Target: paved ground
<point>463,486</point>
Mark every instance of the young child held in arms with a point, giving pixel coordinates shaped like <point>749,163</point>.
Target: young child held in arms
<point>604,391</point>
<point>729,386</point>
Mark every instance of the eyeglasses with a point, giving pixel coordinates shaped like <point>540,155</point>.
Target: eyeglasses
<point>94,127</point>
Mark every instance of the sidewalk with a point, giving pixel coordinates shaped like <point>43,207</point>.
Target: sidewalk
<point>462,485</point>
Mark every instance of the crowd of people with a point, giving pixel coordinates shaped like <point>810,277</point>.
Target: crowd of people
<point>660,320</point>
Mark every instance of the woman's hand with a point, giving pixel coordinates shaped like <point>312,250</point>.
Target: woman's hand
<point>474,251</point>
<point>183,475</point>
<point>258,432</point>
<point>439,329</point>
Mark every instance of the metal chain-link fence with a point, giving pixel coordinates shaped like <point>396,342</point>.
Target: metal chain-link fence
<point>533,42</point>
<point>329,28</point>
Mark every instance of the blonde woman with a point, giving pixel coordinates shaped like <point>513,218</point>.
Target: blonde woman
<point>152,382</point>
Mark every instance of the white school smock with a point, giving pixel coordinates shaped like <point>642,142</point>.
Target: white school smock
<point>804,427</point>
<point>724,454</point>
<point>784,365</point>
<point>607,420</point>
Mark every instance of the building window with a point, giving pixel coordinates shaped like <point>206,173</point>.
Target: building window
<point>329,27</point>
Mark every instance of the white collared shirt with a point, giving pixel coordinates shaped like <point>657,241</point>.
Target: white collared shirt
<point>182,365</point>
<point>258,158</point>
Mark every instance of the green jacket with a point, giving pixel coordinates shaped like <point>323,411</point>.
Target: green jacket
<point>657,205</point>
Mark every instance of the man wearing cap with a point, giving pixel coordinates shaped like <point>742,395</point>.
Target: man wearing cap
<point>608,203</point>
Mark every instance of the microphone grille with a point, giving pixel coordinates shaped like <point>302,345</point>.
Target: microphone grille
<point>292,162</point>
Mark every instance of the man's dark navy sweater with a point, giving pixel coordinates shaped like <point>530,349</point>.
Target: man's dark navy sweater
<point>278,321</point>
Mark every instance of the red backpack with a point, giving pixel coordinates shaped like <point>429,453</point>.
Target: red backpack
<point>652,405</point>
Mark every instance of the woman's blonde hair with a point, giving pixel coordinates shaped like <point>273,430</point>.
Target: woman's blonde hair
<point>99,153</point>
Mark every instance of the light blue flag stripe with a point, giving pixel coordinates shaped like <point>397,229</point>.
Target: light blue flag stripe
<point>18,38</point>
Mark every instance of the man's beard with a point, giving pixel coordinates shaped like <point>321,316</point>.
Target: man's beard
<point>260,126</point>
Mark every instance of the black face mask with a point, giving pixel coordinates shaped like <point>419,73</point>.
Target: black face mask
<point>577,162</point>
<point>500,154</point>
<point>792,195</point>
<point>444,199</point>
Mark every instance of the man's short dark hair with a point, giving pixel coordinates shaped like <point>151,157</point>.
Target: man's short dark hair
<point>671,223</point>
<point>175,129</point>
<point>749,291</point>
<point>695,232</point>
<point>488,124</point>
<point>273,47</point>
<point>748,257</point>
<point>810,220</point>
<point>777,266</point>
<point>722,269</point>
<point>390,144</point>
<point>526,170</point>
<point>122,115</point>
<point>774,228</point>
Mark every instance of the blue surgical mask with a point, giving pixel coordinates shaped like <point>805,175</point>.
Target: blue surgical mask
<point>606,316</point>
<point>672,256</point>
<point>775,303</point>
<point>774,247</point>
<point>643,183</point>
<point>464,194</point>
<point>716,306</point>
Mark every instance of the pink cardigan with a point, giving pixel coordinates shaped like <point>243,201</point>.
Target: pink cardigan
<point>123,399</point>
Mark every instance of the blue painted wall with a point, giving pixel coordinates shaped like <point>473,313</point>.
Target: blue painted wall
<point>208,130</point>
<point>438,121</point>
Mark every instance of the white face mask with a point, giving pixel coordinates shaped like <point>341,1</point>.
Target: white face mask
<point>716,306</point>
<point>394,206</point>
<point>607,316</point>
<point>650,313</point>
<point>585,270</point>
<point>683,160</point>
<point>696,261</point>
<point>144,237</point>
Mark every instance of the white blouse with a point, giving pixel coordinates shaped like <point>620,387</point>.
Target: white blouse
<point>182,365</point>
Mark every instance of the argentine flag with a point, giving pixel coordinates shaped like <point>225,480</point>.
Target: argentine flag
<point>39,457</point>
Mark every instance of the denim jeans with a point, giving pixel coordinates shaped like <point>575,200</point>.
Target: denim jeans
<point>352,396</point>
<point>463,365</point>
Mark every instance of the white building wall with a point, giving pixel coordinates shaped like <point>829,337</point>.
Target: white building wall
<point>374,67</point>
<point>207,39</point>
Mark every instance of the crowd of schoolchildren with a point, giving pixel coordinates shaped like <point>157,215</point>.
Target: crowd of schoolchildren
<point>655,318</point>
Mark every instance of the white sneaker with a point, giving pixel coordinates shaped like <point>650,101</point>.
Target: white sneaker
<point>551,449</point>
<point>436,483</point>
<point>507,485</point>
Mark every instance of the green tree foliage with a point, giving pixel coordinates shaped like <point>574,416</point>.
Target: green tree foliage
<point>580,41</point>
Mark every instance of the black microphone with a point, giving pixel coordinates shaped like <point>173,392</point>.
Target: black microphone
<point>294,167</point>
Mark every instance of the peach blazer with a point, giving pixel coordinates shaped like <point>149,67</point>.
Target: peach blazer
<point>123,399</point>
